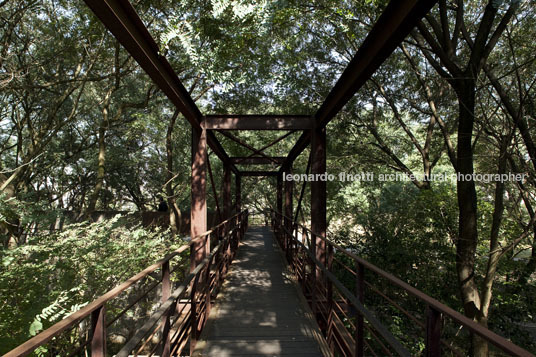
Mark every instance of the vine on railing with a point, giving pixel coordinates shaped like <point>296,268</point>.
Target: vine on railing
<point>349,326</point>
<point>183,311</point>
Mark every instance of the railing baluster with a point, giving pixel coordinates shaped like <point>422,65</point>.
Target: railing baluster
<point>227,229</point>
<point>98,332</point>
<point>292,237</point>
<point>309,270</point>
<point>193,316</point>
<point>207,291</point>
<point>329,290</point>
<point>166,290</point>
<point>433,332</point>
<point>360,293</point>
<point>314,275</point>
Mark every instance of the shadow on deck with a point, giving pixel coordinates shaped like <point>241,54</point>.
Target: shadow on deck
<point>260,310</point>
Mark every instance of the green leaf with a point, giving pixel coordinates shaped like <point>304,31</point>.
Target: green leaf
<point>35,327</point>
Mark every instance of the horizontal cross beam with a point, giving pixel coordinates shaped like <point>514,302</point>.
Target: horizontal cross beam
<point>258,173</point>
<point>256,160</point>
<point>258,122</point>
<point>246,145</point>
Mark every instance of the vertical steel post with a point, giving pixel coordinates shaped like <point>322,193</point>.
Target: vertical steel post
<point>193,315</point>
<point>198,213</point>
<point>329,284</point>
<point>166,290</point>
<point>318,211</point>
<point>206,287</point>
<point>238,193</point>
<point>313,276</point>
<point>289,185</point>
<point>98,332</point>
<point>318,191</point>
<point>329,297</point>
<point>279,206</point>
<point>360,292</point>
<point>433,332</point>
<point>227,200</point>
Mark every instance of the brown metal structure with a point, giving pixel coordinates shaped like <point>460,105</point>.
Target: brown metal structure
<point>395,23</point>
<point>247,146</point>
<point>259,173</point>
<point>193,312</point>
<point>343,314</point>
<point>340,313</point>
<point>227,199</point>
<point>257,160</point>
<point>238,193</point>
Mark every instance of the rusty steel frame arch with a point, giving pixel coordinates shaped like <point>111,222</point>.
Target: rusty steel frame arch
<point>394,24</point>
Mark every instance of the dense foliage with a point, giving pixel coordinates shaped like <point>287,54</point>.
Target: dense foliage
<point>54,274</point>
<point>82,129</point>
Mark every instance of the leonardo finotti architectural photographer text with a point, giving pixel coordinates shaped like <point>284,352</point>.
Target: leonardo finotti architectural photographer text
<point>371,176</point>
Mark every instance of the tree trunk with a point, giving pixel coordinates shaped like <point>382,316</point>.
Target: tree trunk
<point>467,205</point>
<point>174,211</point>
<point>99,182</point>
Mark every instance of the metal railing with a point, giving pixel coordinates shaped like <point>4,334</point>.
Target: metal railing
<point>183,311</point>
<point>349,326</point>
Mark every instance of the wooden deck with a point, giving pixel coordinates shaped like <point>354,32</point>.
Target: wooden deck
<point>260,311</point>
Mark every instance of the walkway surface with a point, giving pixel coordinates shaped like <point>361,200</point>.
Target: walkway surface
<point>259,311</point>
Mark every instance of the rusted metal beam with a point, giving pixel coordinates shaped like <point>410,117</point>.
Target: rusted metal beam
<point>318,194</point>
<point>238,193</point>
<point>124,23</point>
<point>360,322</point>
<point>270,144</point>
<point>280,193</point>
<point>433,332</point>
<point>121,19</point>
<point>227,200</point>
<point>98,332</point>
<point>214,191</point>
<point>247,146</point>
<point>219,150</point>
<point>256,160</point>
<point>298,207</point>
<point>166,293</point>
<point>259,173</point>
<point>394,24</point>
<point>289,187</point>
<point>258,122</point>
<point>297,149</point>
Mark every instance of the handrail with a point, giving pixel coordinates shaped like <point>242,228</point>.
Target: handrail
<point>212,229</point>
<point>393,342</point>
<point>471,325</point>
<point>56,329</point>
<point>125,351</point>
<point>84,312</point>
